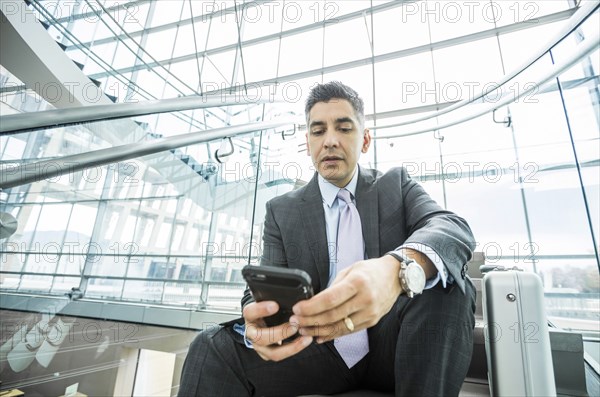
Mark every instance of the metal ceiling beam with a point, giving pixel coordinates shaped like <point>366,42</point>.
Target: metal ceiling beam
<point>91,13</point>
<point>383,57</point>
<point>263,39</point>
<point>200,18</point>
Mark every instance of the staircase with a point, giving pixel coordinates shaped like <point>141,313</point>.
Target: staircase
<point>48,64</point>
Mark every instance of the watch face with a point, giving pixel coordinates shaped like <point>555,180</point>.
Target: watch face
<point>415,278</point>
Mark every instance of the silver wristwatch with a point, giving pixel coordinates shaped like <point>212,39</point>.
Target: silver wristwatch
<point>412,276</point>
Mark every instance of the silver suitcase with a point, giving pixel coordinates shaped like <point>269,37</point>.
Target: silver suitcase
<point>517,342</point>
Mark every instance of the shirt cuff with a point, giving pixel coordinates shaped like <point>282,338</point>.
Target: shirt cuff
<point>442,272</point>
<point>241,329</point>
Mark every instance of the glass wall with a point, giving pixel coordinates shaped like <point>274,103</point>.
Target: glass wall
<point>175,228</point>
<point>168,228</point>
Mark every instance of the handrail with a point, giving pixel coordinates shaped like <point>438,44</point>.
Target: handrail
<point>22,122</point>
<point>33,172</point>
<point>575,21</point>
<point>587,47</point>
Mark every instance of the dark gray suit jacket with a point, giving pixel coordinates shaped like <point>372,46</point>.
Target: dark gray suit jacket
<point>394,210</point>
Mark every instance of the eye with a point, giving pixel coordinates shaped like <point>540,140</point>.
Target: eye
<point>316,132</point>
<point>345,129</point>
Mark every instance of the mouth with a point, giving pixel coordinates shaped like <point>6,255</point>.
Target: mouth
<point>330,159</point>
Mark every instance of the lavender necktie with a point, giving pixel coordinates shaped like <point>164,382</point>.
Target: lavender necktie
<point>355,346</point>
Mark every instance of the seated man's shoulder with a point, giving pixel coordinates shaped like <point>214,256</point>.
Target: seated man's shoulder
<point>393,175</point>
<point>287,198</point>
<point>394,181</point>
<point>396,172</point>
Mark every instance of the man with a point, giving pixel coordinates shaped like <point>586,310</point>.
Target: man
<point>399,340</point>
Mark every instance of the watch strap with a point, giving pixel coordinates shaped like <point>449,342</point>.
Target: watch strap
<point>401,258</point>
<point>404,263</point>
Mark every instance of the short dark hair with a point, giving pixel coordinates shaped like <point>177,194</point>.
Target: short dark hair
<point>335,89</point>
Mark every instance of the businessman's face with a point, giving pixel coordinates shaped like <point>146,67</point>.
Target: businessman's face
<point>335,140</point>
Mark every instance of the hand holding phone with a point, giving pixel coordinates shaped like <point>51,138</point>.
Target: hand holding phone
<point>282,285</point>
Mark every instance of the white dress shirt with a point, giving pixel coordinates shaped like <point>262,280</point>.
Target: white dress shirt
<point>332,207</point>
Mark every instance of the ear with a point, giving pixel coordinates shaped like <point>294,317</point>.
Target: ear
<point>307,145</point>
<point>366,141</point>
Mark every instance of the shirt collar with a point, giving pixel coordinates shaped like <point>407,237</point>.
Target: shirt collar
<point>329,191</point>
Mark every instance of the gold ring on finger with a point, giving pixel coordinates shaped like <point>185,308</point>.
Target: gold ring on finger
<point>349,324</point>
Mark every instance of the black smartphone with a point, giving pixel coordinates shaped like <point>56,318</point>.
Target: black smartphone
<point>282,285</point>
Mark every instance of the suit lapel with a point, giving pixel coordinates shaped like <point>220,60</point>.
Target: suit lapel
<point>313,217</point>
<point>367,205</point>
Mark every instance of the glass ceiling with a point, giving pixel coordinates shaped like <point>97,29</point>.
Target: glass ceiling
<point>163,49</point>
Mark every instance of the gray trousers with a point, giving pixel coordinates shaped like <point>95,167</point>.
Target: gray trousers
<point>422,347</point>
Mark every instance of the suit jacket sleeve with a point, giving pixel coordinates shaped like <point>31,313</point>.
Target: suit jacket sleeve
<point>432,227</point>
<point>273,253</point>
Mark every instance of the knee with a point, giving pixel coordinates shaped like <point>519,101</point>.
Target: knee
<point>201,340</point>
<point>200,346</point>
<point>439,316</point>
<point>197,353</point>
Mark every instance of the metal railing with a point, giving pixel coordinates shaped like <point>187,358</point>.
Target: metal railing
<point>33,172</point>
<point>587,47</point>
<point>582,14</point>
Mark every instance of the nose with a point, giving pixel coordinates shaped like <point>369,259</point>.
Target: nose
<point>331,139</point>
